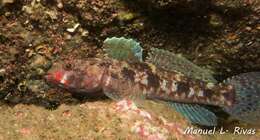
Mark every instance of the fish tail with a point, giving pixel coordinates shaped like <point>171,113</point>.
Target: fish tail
<point>247,105</point>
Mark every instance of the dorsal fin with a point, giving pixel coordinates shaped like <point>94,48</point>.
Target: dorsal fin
<point>173,62</point>
<point>123,49</point>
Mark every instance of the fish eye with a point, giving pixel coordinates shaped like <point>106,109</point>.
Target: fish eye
<point>68,66</point>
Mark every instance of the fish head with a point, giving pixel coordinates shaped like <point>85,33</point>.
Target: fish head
<point>81,76</point>
<point>58,75</point>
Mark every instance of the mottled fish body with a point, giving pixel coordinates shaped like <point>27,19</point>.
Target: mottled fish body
<point>138,80</point>
<point>163,77</point>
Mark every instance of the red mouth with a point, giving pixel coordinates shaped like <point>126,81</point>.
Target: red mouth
<point>50,78</point>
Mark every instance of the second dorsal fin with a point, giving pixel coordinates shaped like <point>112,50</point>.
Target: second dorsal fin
<point>173,62</point>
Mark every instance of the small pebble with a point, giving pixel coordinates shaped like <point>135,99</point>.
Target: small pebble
<point>73,29</point>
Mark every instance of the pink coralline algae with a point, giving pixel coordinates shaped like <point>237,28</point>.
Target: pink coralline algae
<point>149,126</point>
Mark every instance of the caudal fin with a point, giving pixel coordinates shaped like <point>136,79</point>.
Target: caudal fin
<point>247,106</point>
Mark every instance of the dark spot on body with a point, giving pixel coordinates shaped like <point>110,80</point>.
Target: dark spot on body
<point>128,74</point>
<point>92,63</point>
<point>183,88</point>
<point>208,93</point>
<point>143,67</point>
<point>105,64</point>
<point>115,76</point>
<point>229,96</point>
<point>153,80</point>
